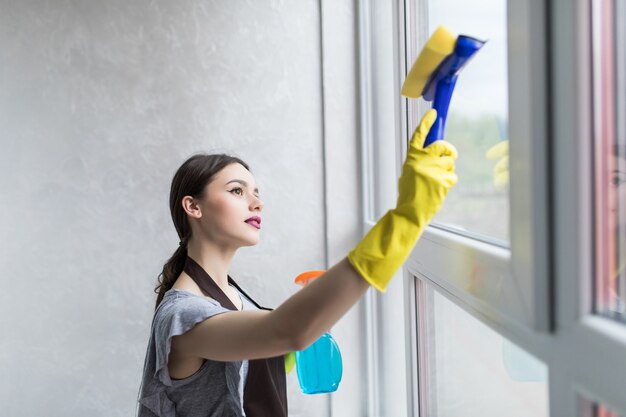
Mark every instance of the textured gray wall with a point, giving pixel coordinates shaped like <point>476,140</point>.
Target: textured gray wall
<point>100,102</point>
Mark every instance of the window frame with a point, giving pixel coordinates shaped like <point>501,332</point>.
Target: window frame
<point>580,332</point>
<point>551,190</point>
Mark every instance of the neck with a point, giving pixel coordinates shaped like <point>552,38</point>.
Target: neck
<point>213,258</point>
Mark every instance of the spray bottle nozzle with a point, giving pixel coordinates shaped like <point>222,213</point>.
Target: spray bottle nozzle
<point>306,277</point>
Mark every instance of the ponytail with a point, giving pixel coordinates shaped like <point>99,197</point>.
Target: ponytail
<point>171,270</point>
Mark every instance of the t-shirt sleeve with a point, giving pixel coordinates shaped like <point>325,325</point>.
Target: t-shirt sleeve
<point>175,317</point>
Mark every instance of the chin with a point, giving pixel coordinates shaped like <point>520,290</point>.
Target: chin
<point>251,241</point>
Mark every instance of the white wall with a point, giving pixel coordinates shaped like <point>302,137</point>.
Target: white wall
<point>100,102</point>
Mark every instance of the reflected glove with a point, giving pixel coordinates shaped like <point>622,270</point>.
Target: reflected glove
<point>501,170</point>
<point>427,175</point>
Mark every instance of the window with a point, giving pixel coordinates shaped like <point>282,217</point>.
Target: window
<point>472,370</point>
<point>540,283</point>
<point>562,231</point>
<point>477,118</point>
<point>488,108</point>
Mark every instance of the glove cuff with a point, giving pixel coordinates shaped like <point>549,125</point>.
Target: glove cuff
<point>384,249</point>
<point>365,274</point>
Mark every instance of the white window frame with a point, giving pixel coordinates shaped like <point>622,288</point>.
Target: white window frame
<point>550,123</point>
<point>594,367</point>
<point>380,109</point>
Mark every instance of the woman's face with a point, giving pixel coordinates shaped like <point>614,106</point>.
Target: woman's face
<point>231,208</point>
<point>617,200</point>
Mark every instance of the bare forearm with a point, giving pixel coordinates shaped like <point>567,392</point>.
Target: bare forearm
<point>314,309</point>
<point>294,325</point>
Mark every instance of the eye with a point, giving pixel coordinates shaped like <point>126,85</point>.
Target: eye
<point>237,191</point>
<point>618,179</point>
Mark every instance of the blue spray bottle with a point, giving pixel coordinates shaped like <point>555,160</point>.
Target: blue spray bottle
<point>319,366</point>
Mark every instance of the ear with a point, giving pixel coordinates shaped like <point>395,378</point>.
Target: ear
<point>191,207</point>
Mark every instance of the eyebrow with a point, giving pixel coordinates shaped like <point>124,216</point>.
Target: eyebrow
<point>242,182</point>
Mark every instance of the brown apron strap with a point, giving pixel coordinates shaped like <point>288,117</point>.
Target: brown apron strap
<point>265,393</point>
<point>206,284</point>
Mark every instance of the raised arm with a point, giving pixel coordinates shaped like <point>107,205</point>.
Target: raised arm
<point>426,177</point>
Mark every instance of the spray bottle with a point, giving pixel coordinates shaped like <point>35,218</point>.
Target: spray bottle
<point>319,366</point>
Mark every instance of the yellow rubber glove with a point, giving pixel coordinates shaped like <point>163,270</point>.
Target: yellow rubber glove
<point>501,171</point>
<point>427,175</point>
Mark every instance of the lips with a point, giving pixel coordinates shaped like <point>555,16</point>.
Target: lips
<point>254,221</point>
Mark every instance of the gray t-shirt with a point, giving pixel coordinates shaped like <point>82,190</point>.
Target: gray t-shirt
<point>215,390</point>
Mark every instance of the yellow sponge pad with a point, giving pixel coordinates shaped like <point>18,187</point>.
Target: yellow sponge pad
<point>440,44</point>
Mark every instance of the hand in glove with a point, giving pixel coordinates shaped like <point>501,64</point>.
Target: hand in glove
<point>427,175</point>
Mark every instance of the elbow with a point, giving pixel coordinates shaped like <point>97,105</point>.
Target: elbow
<point>304,338</point>
<point>292,333</point>
<point>294,339</point>
<point>300,342</point>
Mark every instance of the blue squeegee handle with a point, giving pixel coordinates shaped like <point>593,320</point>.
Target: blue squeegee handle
<point>445,88</point>
<point>441,84</point>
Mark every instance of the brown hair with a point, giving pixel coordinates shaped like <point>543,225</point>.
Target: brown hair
<point>191,179</point>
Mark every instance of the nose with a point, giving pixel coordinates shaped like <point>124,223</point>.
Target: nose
<point>256,204</point>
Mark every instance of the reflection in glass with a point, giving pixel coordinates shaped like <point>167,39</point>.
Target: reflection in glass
<point>477,119</point>
<point>601,411</point>
<point>473,371</point>
<point>590,408</point>
<point>609,97</point>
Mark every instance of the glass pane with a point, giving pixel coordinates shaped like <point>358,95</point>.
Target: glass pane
<point>477,118</point>
<point>472,370</point>
<point>609,104</point>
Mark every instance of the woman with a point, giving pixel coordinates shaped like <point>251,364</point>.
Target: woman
<point>213,351</point>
